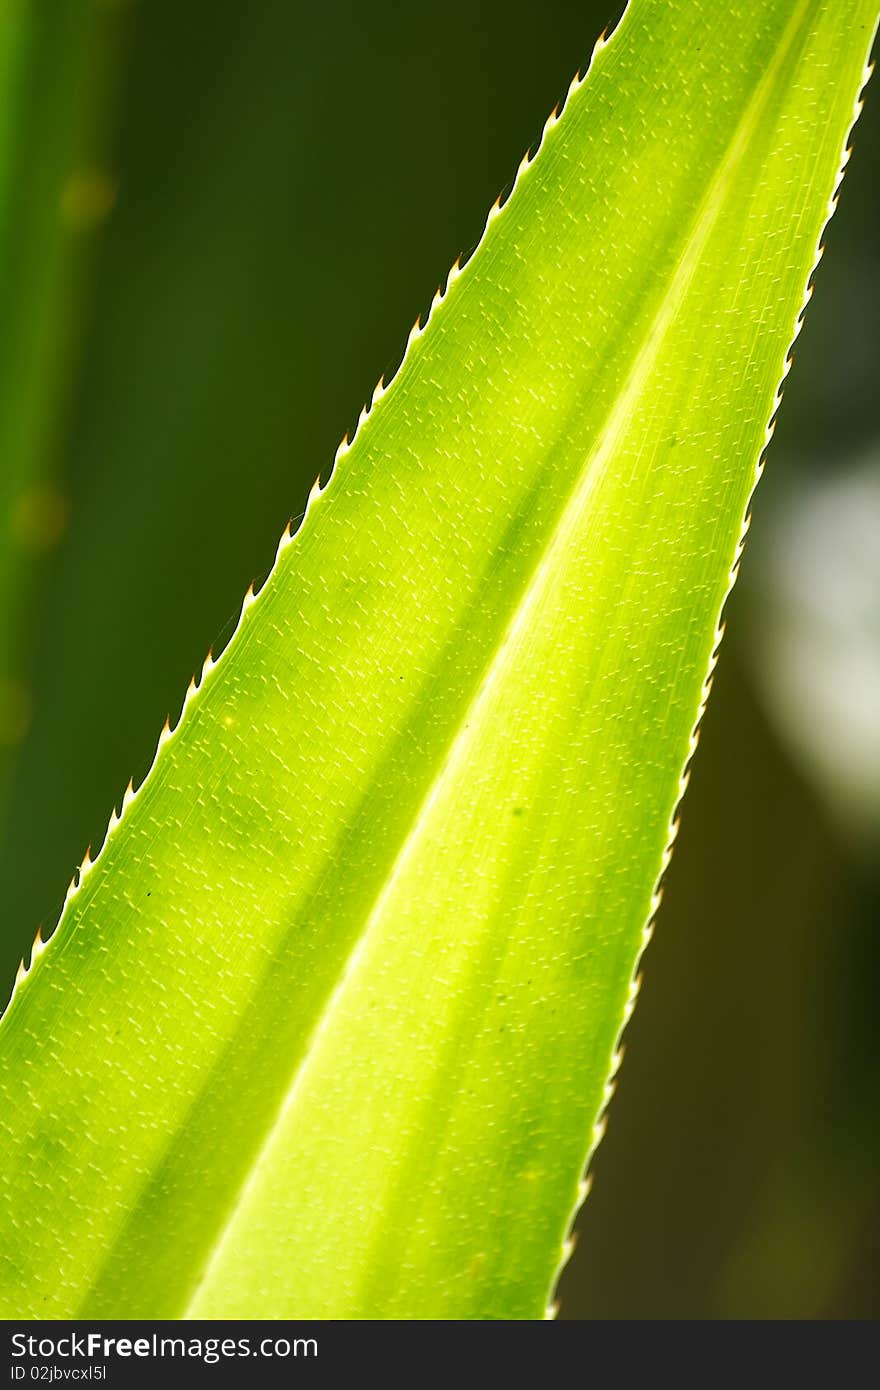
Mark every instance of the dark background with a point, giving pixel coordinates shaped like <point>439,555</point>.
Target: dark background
<point>289,184</point>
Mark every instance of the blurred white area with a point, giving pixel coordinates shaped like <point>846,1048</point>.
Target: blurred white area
<point>816,632</point>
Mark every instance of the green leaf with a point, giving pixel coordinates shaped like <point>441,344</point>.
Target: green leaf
<point>327,1027</point>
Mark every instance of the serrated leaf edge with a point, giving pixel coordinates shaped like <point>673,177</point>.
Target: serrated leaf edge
<point>601,1124</point>
<point>294,530</point>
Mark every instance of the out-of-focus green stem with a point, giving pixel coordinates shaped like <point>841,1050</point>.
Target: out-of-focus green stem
<point>58,62</point>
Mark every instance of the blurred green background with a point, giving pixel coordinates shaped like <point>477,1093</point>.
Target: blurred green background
<point>218,223</point>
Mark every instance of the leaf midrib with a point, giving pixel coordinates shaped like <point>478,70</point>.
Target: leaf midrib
<point>521,611</point>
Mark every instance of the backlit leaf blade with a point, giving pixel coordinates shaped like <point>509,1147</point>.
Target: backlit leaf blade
<point>326,1029</point>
